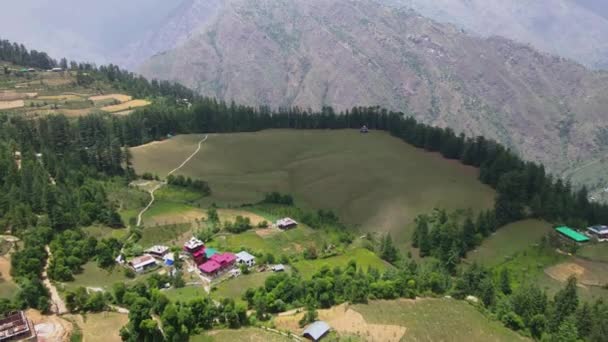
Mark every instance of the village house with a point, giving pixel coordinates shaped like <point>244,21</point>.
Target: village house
<point>157,250</point>
<point>316,330</point>
<point>200,256</point>
<point>142,263</point>
<point>278,268</point>
<point>193,245</point>
<point>16,327</point>
<point>217,264</point>
<point>244,258</point>
<point>599,232</point>
<point>571,234</point>
<point>286,223</point>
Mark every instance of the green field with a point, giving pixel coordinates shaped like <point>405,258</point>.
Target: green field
<point>185,294</point>
<point>290,242</point>
<point>236,287</point>
<point>436,320</point>
<point>508,240</point>
<point>595,251</point>
<point>245,334</point>
<point>162,234</point>
<point>362,256</point>
<point>374,181</point>
<point>93,276</point>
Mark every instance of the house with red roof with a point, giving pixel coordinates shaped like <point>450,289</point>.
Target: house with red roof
<point>199,256</point>
<point>217,264</point>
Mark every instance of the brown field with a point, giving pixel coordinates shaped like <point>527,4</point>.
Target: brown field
<point>124,112</point>
<point>190,216</point>
<point>346,321</point>
<point>125,106</point>
<point>101,327</point>
<point>120,97</point>
<point>588,273</point>
<point>62,97</point>
<point>50,327</point>
<point>13,95</point>
<point>76,112</point>
<point>11,104</point>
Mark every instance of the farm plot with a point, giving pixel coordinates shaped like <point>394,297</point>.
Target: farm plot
<point>244,334</point>
<point>363,257</point>
<point>101,327</point>
<point>235,288</point>
<point>11,104</point>
<point>375,181</point>
<point>118,97</point>
<point>125,106</point>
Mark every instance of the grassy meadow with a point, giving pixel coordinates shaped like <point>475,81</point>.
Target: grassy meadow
<point>374,181</point>
<point>436,320</point>
<point>364,258</point>
<point>236,287</point>
<point>509,240</point>
<point>245,334</point>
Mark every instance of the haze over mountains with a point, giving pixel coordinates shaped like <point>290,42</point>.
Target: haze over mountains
<point>452,65</point>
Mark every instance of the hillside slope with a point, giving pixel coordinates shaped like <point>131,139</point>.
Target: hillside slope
<point>344,53</point>
<point>575,29</point>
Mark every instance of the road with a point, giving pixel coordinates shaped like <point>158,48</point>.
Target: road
<point>57,304</point>
<point>164,182</point>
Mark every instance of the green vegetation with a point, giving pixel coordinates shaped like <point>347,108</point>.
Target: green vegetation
<point>436,320</point>
<point>508,241</point>
<point>595,251</point>
<point>245,334</point>
<point>162,234</point>
<point>235,288</point>
<point>365,259</point>
<point>185,294</point>
<point>94,276</point>
<point>361,178</point>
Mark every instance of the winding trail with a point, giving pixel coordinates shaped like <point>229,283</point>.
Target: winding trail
<point>164,182</point>
<point>57,304</point>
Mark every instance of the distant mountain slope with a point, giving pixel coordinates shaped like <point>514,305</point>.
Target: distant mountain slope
<point>344,53</point>
<point>576,29</point>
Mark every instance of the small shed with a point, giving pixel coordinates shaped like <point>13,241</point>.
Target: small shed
<point>278,268</point>
<point>572,234</point>
<point>286,223</point>
<point>316,330</point>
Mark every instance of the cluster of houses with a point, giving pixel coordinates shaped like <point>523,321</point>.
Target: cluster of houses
<point>598,232</point>
<point>211,263</point>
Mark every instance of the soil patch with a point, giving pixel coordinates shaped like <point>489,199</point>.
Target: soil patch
<point>119,97</point>
<point>562,272</point>
<point>11,104</point>
<point>13,95</point>
<point>346,321</point>
<point>126,106</point>
<point>50,328</point>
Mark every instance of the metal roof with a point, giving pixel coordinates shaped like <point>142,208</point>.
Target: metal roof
<point>244,256</point>
<point>572,234</point>
<point>316,330</point>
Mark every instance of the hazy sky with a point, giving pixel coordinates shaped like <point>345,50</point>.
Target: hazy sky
<point>80,29</point>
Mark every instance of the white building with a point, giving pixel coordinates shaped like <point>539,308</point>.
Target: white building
<point>286,223</point>
<point>157,250</point>
<point>142,263</point>
<point>244,258</point>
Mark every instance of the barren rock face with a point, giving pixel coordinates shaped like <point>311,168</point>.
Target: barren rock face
<point>345,53</point>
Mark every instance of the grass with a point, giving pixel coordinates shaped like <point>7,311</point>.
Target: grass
<point>436,320</point>
<point>104,232</point>
<point>245,334</point>
<point>290,242</point>
<point>101,327</point>
<point>235,288</point>
<point>8,289</point>
<point>375,181</point>
<point>595,252</point>
<point>362,256</point>
<point>509,240</point>
<point>162,234</point>
<point>185,294</point>
<point>94,276</point>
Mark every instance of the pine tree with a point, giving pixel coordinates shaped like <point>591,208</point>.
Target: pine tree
<point>505,281</point>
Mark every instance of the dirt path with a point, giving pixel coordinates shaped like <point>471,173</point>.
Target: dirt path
<point>57,304</point>
<point>164,182</point>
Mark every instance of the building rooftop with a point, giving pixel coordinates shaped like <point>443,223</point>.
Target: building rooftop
<point>193,244</point>
<point>142,261</point>
<point>599,229</point>
<point>244,256</point>
<point>224,258</point>
<point>278,268</point>
<point>209,252</point>
<point>285,222</point>
<point>316,330</point>
<point>572,234</point>
<point>157,249</point>
<point>209,266</point>
<point>15,326</point>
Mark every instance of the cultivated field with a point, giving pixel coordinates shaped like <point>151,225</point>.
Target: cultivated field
<point>125,106</point>
<point>245,334</point>
<point>509,240</point>
<point>235,288</point>
<point>364,258</point>
<point>11,104</point>
<point>409,320</point>
<point>374,180</point>
<point>595,252</point>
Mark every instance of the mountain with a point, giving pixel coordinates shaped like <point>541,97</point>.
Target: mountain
<point>575,29</point>
<point>94,31</point>
<point>344,53</point>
